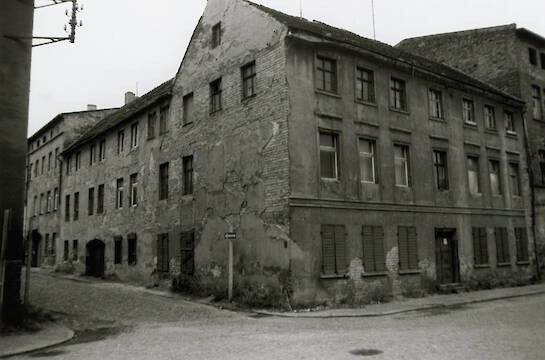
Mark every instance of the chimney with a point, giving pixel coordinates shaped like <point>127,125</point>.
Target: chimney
<point>91,107</point>
<point>129,97</point>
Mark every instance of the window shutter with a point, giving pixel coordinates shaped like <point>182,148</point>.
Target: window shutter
<point>340,249</point>
<point>499,245</point>
<point>412,247</point>
<point>368,246</point>
<point>403,248</point>
<point>328,249</point>
<point>483,246</point>
<point>476,246</point>
<point>524,244</point>
<point>506,257</point>
<point>378,233</point>
<point>187,258</point>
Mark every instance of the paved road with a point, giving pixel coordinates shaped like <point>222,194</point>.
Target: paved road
<point>161,328</point>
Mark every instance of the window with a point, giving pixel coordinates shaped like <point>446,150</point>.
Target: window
<point>162,253</point>
<point>100,199</point>
<point>152,117</point>
<point>374,258</point>
<point>48,202</point>
<point>541,156</point>
<point>248,80</point>
<point>489,117</point>
<point>480,246</point>
<point>76,206</point>
<point>41,203</point>
<point>66,250</point>
<point>55,199</point>
<point>367,161</point>
<point>398,96</point>
<point>333,250</point>
<point>35,205</point>
<point>536,102</point>
<point>532,54</point>
<point>514,179</point>
<point>78,160</point>
<point>188,109</point>
<point>365,85</point>
<point>509,122</point>
<point>163,120</point>
<point>326,74</point>
<point>215,95</point>
<point>329,155</point>
<point>521,238</point>
<point>216,35</point>
<point>408,251</point>
<point>473,175</point>
<point>53,244</point>
<point>43,164</point>
<point>119,194</point>
<point>163,181</point>
<point>187,249</point>
<point>441,172</point>
<point>118,249</point>
<point>46,245</point>
<point>68,164</point>
<point>75,250</point>
<point>133,189</point>
<point>36,167</point>
<point>401,163</point>
<point>91,201</point>
<point>188,174</point>
<point>92,154</point>
<point>102,150</point>
<point>502,245</point>
<point>131,249</point>
<point>542,56</point>
<point>120,141</point>
<point>435,103</point>
<point>494,172</point>
<point>134,135</point>
<point>67,208</point>
<point>56,157</point>
<point>49,159</point>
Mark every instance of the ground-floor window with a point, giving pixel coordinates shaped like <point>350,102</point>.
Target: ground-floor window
<point>522,244</point>
<point>373,248</point>
<point>187,249</point>
<point>408,251</point>
<point>118,247</point>
<point>162,252</point>
<point>333,249</point>
<point>502,245</point>
<point>131,249</point>
<point>66,250</point>
<point>75,250</point>
<point>480,246</point>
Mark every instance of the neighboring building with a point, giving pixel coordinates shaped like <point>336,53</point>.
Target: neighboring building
<point>513,59</point>
<point>345,166</point>
<point>43,185</point>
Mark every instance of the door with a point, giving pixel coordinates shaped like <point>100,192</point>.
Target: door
<point>94,261</point>
<point>446,255</point>
<point>35,255</point>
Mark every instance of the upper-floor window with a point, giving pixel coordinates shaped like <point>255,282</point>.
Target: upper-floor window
<point>36,167</point>
<point>188,174</point>
<point>326,74</point>
<point>163,120</point>
<point>91,201</point>
<point>542,56</point>
<point>120,141</point>
<point>541,158</point>
<point>398,95</point>
<point>365,85</point>
<point>215,95</point>
<point>329,155</point>
<point>67,208</point>
<point>102,150</point>
<point>134,135</point>
<point>509,122</point>
<point>55,199</point>
<point>536,102</point>
<point>68,164</point>
<point>133,189</point>
<point>119,194</point>
<point>100,199</point>
<point>532,55</point>
<point>78,160</point>
<point>152,117</point>
<point>49,159</point>
<point>216,35</point>
<point>441,172</point>
<point>43,164</point>
<point>473,174</point>
<point>48,202</point>
<point>514,179</point>
<point>495,176</point>
<point>76,206</point>
<point>163,181</point>
<point>435,103</point>
<point>56,157</point>
<point>248,80</point>
<point>188,109</point>
<point>92,154</point>
<point>367,160</point>
<point>489,117</point>
<point>401,163</point>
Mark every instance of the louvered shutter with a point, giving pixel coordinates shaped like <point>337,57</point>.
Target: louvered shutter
<point>505,240</point>
<point>524,236</point>
<point>412,248</point>
<point>483,246</point>
<point>477,256</point>
<point>518,243</point>
<point>368,246</point>
<point>499,245</point>
<point>340,249</point>
<point>328,249</point>
<point>378,233</point>
<point>403,248</point>
<point>187,257</point>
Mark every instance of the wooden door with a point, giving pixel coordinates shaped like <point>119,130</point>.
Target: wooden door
<point>446,253</point>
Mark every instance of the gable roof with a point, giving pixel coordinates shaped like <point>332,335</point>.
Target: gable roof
<point>344,36</point>
<point>125,113</point>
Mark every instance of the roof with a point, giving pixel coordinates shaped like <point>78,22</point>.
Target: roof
<point>344,36</point>
<point>126,112</point>
<point>499,28</point>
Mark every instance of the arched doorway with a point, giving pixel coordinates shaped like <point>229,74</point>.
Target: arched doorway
<point>94,261</point>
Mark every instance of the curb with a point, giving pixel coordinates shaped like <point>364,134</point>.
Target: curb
<point>396,312</point>
<point>66,339</point>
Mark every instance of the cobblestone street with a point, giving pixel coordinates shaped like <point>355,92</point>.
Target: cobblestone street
<point>117,321</point>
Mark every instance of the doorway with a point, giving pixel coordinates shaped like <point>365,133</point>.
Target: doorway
<point>94,260</point>
<point>35,250</point>
<point>446,256</point>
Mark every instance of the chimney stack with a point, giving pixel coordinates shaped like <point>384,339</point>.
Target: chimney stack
<point>91,107</point>
<point>129,97</point>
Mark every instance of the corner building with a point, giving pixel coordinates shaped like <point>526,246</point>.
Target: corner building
<point>343,165</point>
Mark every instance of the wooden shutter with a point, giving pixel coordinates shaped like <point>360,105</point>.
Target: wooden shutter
<point>328,249</point>
<point>522,244</point>
<point>380,261</point>
<point>162,252</point>
<point>502,245</point>
<point>483,246</point>
<point>499,245</point>
<point>477,256</point>
<point>368,249</point>
<point>340,249</point>
<point>412,247</point>
<point>187,252</point>
<point>505,241</point>
<point>403,247</point>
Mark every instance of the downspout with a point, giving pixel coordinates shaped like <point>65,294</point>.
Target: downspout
<point>529,157</point>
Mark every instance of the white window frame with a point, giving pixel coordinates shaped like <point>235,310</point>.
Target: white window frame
<point>334,149</point>
<point>367,155</point>
<point>405,161</point>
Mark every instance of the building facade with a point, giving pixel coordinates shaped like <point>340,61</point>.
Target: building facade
<point>513,59</point>
<point>345,167</point>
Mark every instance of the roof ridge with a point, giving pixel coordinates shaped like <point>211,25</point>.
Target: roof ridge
<point>512,26</point>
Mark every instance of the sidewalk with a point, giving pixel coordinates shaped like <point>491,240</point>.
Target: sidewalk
<point>51,334</point>
<point>410,305</point>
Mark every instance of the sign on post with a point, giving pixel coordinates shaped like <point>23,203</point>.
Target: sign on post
<point>230,236</point>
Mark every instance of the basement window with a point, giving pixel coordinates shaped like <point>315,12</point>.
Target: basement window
<point>216,35</point>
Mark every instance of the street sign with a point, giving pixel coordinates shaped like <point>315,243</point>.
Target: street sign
<point>230,236</point>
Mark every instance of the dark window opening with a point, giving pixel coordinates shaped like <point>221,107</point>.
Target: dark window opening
<point>408,250</point>
<point>502,245</point>
<point>248,80</point>
<point>188,109</point>
<point>215,95</point>
<point>522,244</point>
<point>91,201</point>
<point>216,35</point>
<point>326,74</point>
<point>365,85</point>
<point>398,95</point>
<point>163,120</point>
<point>100,200</point>
<point>532,54</point>
<point>131,249</point>
<point>162,252</point>
<point>187,249</point>
<point>76,206</point>
<point>151,124</point>
<point>441,172</point>
<point>188,175</point>
<point>163,181</point>
<point>118,248</point>
<point>374,258</point>
<point>75,250</point>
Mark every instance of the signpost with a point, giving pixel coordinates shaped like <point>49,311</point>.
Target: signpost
<point>230,236</point>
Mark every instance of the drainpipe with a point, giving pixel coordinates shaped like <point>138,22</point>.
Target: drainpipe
<point>529,156</point>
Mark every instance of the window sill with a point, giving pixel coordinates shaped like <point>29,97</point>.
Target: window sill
<point>402,186</point>
<point>401,111</point>
<point>248,98</point>
<point>481,266</point>
<point>439,120</point>
<point>327,93</point>
<point>491,131</point>
<point>215,112</point>
<point>374,274</point>
<point>472,126</point>
<point>477,195</point>
<point>330,180</point>
<point>523,263</point>
<point>367,103</point>
<point>503,264</point>
<point>359,122</point>
<point>150,138</point>
<point>409,272</point>
<point>187,124</point>
<point>333,276</point>
<point>363,182</point>
<point>511,134</point>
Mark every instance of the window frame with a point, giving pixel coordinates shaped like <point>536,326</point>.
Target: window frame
<point>537,106</point>
<point>407,164</point>
<point>340,263</point>
<point>435,104</point>
<point>118,250</point>
<point>481,256</point>
<point>443,156</point>
<point>76,206</point>
<point>91,201</point>
<point>132,249</point>
<point>119,186</point>
<point>395,92</point>
<point>120,141</point>
<point>509,120</point>
<point>365,155</point>
<point>320,68</point>
<point>187,164</point>
<point>163,181</point>
<point>134,135</point>
<point>215,41</point>
<point>152,119</point>
<point>100,199</point>
<point>215,95</point>
<point>361,83</point>
<point>164,119</point>
<point>514,172</point>
<point>163,253</point>
<point>102,150</point>
<point>490,168</point>
<point>248,78</point>
<point>133,190</point>
<point>489,115</point>
<point>503,255</point>
<point>335,149</point>
<point>372,240</point>
<point>477,172</point>
<point>188,108</point>
<point>532,56</point>
<point>410,247</point>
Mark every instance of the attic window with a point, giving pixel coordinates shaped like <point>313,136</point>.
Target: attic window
<point>216,35</point>
<point>542,55</point>
<point>533,56</point>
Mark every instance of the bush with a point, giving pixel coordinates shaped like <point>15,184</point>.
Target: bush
<point>258,294</point>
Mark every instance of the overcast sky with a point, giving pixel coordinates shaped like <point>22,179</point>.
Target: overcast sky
<point>127,42</point>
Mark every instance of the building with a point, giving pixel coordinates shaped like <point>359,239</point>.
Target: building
<point>346,167</point>
<point>513,59</point>
<point>44,179</point>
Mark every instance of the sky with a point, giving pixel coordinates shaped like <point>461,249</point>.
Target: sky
<point>135,45</point>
